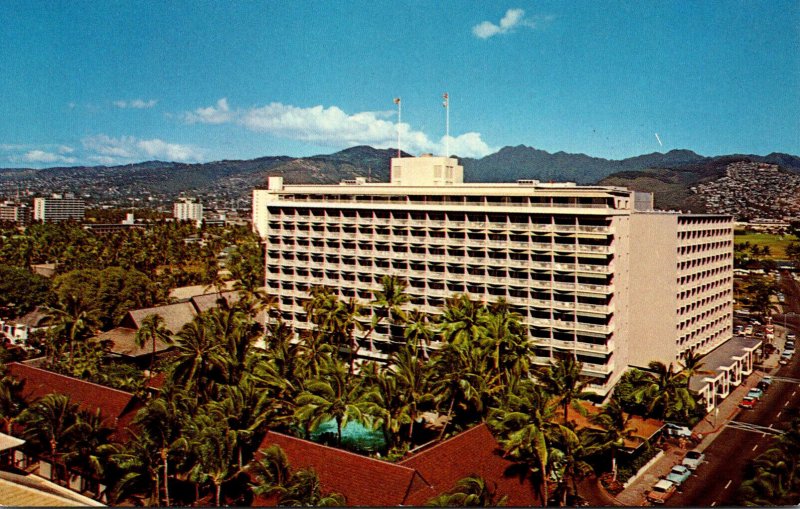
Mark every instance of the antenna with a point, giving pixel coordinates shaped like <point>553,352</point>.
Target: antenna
<point>446,105</point>
<point>397,102</point>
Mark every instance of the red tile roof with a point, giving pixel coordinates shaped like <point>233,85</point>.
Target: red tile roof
<point>474,452</point>
<point>371,482</point>
<point>116,407</point>
<point>363,481</point>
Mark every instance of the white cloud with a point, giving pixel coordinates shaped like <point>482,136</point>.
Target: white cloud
<point>40,156</point>
<point>512,19</point>
<point>211,115</point>
<point>334,127</point>
<point>124,149</point>
<point>139,104</point>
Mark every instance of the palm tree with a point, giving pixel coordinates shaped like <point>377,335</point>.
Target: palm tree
<point>389,301</point>
<point>162,421</point>
<point>459,380</point>
<point>616,429</point>
<point>460,322</point>
<point>215,452</point>
<point>346,323</point>
<point>245,409</point>
<point>199,360</point>
<point>71,323</point>
<point>418,332</point>
<point>140,463</point>
<point>11,401</point>
<point>411,376</point>
<point>90,445</point>
<point>334,395</point>
<point>504,339</point>
<point>151,331</point>
<point>664,392</point>
<point>272,476</point>
<point>49,423</point>
<point>525,426</point>
<point>471,491</point>
<point>693,365</point>
<point>563,380</point>
<point>568,460</point>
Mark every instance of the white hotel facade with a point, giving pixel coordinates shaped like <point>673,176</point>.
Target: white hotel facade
<point>594,271</point>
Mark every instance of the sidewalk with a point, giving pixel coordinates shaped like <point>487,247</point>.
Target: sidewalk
<point>709,428</point>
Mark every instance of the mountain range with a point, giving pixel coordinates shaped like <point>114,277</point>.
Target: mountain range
<point>229,182</point>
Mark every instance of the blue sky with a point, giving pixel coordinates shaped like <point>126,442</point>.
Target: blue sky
<point>119,82</point>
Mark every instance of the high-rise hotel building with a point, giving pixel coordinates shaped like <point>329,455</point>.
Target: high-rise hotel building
<point>593,271</point>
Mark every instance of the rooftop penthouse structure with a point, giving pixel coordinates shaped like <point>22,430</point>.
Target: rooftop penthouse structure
<point>593,271</point>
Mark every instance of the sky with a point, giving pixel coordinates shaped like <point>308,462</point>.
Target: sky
<point>116,82</point>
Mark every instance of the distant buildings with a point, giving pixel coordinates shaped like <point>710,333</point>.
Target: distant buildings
<point>14,212</point>
<point>188,209</point>
<point>593,271</point>
<point>58,208</point>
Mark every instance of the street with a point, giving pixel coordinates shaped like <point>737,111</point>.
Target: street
<point>716,481</point>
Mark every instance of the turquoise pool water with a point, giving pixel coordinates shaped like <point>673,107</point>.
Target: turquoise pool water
<point>354,435</point>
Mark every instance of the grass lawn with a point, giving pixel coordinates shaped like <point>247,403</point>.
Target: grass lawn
<point>777,243</point>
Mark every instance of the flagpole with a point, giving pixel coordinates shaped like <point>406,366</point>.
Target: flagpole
<point>397,101</point>
<point>447,125</point>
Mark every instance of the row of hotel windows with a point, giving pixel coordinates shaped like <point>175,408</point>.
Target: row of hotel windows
<point>686,294</point>
<point>299,316</point>
<point>720,335</point>
<point>346,270</point>
<point>706,300</point>
<point>468,200</point>
<point>454,257</point>
<point>684,280</point>
<point>477,241</point>
<point>533,301</point>
<point>701,234</point>
<point>381,216</point>
<point>684,250</point>
<point>698,221</point>
<point>398,234</point>
<point>685,324</point>
<point>707,260</point>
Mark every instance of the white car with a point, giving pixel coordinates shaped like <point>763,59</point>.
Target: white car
<point>693,459</point>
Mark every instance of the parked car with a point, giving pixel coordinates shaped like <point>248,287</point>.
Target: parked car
<point>748,330</point>
<point>791,336</point>
<point>693,459</point>
<point>661,491</point>
<point>677,430</point>
<point>748,403</point>
<point>755,393</point>
<point>766,380</point>
<point>678,474</point>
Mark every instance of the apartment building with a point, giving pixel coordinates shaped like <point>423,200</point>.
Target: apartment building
<point>188,209</point>
<point>58,208</point>
<point>562,255</point>
<point>15,212</point>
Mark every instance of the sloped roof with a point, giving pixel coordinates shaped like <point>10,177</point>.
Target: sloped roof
<point>371,482</point>
<point>32,319</point>
<point>474,452</point>
<point>175,316</point>
<point>363,481</point>
<point>187,292</point>
<point>34,491</point>
<point>117,407</point>
<point>123,342</point>
<point>208,301</point>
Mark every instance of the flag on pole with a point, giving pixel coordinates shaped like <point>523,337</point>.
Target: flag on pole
<point>397,100</point>
<point>446,99</point>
